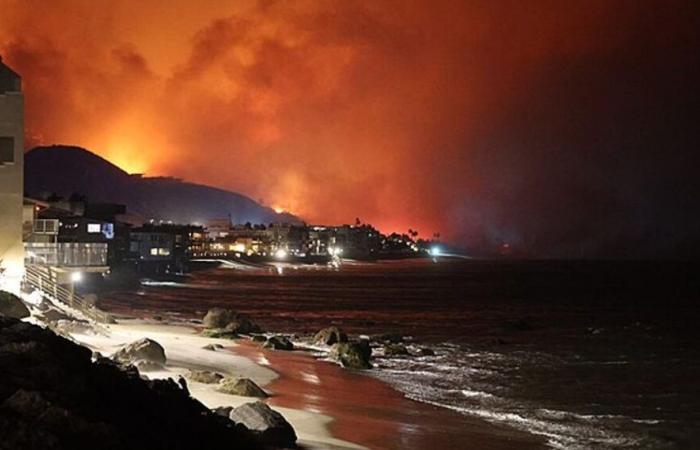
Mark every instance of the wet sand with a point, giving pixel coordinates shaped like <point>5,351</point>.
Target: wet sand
<point>371,413</point>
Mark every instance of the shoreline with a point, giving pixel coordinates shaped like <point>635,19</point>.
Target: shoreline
<point>371,412</point>
<point>328,406</point>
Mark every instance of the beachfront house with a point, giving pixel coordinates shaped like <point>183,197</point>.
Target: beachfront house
<point>11,179</point>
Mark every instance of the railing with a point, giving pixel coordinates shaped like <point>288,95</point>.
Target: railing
<point>44,280</point>
<point>65,254</point>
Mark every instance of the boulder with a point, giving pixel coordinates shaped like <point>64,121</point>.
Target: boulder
<point>213,347</point>
<point>271,426</point>
<point>395,350</point>
<point>54,397</point>
<point>143,349</point>
<point>230,321</point>
<point>224,411</point>
<point>71,326</point>
<point>219,333</point>
<point>351,355</point>
<point>278,343</point>
<point>205,376</point>
<point>258,338</point>
<point>424,351</point>
<point>144,365</point>
<point>245,387</point>
<point>330,336</point>
<point>26,403</point>
<point>12,306</point>
<point>54,315</point>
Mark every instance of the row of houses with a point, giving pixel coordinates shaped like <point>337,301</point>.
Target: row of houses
<point>97,236</point>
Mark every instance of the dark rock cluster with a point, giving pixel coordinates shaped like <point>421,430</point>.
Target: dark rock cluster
<point>225,323</point>
<point>53,396</point>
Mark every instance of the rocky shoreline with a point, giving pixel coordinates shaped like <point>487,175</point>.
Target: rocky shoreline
<point>55,395</point>
<point>47,370</point>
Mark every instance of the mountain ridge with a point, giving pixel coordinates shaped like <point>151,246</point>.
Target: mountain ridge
<point>65,170</point>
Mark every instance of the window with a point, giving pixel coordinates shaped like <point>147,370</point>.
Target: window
<point>94,228</point>
<point>7,150</point>
<point>160,251</point>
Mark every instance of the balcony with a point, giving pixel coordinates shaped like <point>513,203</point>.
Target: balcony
<point>65,254</point>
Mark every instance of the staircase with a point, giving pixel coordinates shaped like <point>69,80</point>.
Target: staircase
<point>43,279</point>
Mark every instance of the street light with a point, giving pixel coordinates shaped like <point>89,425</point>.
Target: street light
<point>76,277</point>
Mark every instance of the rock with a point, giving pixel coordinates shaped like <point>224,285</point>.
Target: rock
<point>12,306</point>
<point>425,351</point>
<point>395,350</point>
<point>54,397</point>
<point>219,333</point>
<point>26,403</point>
<point>270,425</point>
<point>278,343</point>
<point>330,336</point>
<point>244,387</point>
<point>148,366</point>
<point>352,355</point>
<point>258,338</point>
<point>224,411</point>
<point>54,315</point>
<point>364,346</point>
<point>204,376</point>
<point>109,319</point>
<point>143,349</point>
<point>71,326</point>
<point>230,321</point>
<point>213,347</point>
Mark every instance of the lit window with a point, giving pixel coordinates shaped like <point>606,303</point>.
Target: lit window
<point>94,228</point>
<point>164,252</point>
<point>154,252</point>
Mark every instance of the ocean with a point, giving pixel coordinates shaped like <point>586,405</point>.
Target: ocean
<point>588,355</point>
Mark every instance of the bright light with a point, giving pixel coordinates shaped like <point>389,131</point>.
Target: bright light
<point>435,250</point>
<point>76,277</point>
<point>335,251</point>
<point>237,247</point>
<point>278,209</point>
<point>281,253</point>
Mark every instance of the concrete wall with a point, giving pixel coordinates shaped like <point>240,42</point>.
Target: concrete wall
<point>12,192</point>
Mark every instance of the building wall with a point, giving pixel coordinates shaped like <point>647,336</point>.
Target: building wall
<point>12,190</point>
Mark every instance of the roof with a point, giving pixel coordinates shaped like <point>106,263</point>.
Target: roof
<point>10,81</point>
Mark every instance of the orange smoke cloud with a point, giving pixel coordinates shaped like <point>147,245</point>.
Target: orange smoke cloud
<point>329,109</point>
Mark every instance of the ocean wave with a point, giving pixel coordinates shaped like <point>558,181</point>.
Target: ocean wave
<point>451,382</point>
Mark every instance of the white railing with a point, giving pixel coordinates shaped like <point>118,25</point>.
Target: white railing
<point>43,280</point>
<point>65,254</point>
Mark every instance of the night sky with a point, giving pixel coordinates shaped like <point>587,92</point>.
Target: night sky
<point>564,128</point>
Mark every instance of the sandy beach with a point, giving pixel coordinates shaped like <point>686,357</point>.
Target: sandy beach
<point>329,407</point>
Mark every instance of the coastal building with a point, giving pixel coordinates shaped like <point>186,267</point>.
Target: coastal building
<point>11,179</point>
<point>165,248</point>
<point>62,244</point>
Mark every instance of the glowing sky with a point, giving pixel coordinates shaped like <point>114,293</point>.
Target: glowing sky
<point>468,118</point>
